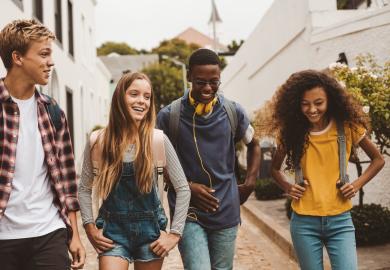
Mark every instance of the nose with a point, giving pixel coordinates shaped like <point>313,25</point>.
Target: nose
<point>50,62</point>
<point>141,99</point>
<point>208,87</point>
<point>312,108</point>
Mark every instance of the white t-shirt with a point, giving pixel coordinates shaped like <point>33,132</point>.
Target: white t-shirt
<point>30,210</point>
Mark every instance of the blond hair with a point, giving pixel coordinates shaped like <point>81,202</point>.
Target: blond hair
<point>118,134</point>
<point>18,35</point>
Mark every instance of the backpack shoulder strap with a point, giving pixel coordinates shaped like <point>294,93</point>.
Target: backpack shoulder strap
<point>230,109</point>
<point>95,155</point>
<point>299,176</point>
<point>342,148</point>
<point>54,112</point>
<point>174,117</point>
<point>341,141</point>
<point>159,158</point>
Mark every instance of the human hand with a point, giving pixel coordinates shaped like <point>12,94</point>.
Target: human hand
<point>98,241</point>
<point>77,251</point>
<point>164,243</point>
<point>245,191</point>
<point>202,198</point>
<point>296,191</point>
<point>348,190</point>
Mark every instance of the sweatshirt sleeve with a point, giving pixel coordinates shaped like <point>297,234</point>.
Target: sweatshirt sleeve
<point>180,184</point>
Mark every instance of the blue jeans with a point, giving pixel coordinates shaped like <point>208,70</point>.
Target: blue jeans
<point>337,233</point>
<point>203,249</point>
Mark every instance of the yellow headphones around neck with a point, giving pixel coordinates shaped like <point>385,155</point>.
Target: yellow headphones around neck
<point>201,108</point>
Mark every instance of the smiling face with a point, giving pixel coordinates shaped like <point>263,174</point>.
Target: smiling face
<point>37,62</point>
<point>138,96</point>
<point>205,82</point>
<point>314,105</point>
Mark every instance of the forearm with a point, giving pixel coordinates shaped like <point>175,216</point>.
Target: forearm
<point>375,166</point>
<point>253,163</point>
<point>73,222</point>
<point>85,198</point>
<point>180,184</point>
<point>85,187</point>
<point>183,196</point>
<point>280,179</point>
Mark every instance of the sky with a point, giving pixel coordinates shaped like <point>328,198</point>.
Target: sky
<point>143,24</point>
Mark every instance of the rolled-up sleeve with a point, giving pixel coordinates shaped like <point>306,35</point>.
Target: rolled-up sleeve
<point>67,165</point>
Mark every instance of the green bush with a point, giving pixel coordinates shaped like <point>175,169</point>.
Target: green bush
<point>267,189</point>
<point>372,224</point>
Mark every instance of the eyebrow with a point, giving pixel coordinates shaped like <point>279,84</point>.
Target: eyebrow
<point>318,99</point>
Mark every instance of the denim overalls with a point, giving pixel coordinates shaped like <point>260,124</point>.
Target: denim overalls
<point>131,219</point>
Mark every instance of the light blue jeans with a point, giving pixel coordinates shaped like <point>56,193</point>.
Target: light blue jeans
<point>337,233</point>
<point>203,249</point>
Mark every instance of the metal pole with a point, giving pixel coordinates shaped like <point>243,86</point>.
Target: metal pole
<point>183,68</point>
<point>213,16</point>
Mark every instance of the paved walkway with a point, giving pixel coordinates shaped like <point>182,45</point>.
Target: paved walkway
<point>254,251</point>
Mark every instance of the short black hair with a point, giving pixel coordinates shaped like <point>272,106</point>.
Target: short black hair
<point>203,57</point>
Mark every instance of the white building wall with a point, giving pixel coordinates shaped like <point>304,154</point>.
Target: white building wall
<point>255,71</point>
<point>82,74</point>
<point>297,35</point>
<point>368,33</point>
<point>283,43</point>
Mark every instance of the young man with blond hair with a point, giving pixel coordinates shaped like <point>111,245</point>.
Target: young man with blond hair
<point>38,191</point>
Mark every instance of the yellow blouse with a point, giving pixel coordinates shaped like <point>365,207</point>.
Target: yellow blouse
<point>320,167</point>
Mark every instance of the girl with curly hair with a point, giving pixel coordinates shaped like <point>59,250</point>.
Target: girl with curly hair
<point>311,110</point>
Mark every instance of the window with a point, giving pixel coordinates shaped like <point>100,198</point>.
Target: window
<point>19,3</point>
<point>58,20</point>
<point>38,10</point>
<point>70,28</point>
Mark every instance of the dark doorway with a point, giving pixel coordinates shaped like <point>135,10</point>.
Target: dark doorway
<point>69,113</point>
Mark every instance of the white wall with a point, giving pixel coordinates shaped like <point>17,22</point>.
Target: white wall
<point>82,73</point>
<point>367,33</point>
<point>296,35</point>
<point>265,57</point>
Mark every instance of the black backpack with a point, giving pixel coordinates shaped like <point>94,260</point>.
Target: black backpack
<point>54,112</point>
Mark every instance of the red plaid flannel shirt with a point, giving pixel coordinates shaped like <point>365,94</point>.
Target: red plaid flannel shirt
<point>57,147</point>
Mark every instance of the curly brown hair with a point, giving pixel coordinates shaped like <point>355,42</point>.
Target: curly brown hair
<point>291,126</point>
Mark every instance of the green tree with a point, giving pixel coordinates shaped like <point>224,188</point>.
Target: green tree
<point>167,82</point>
<point>166,76</point>
<point>175,48</point>
<point>369,83</point>
<point>234,46</point>
<point>118,47</point>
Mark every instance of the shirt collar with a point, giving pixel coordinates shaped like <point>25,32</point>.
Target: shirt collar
<point>5,95</point>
